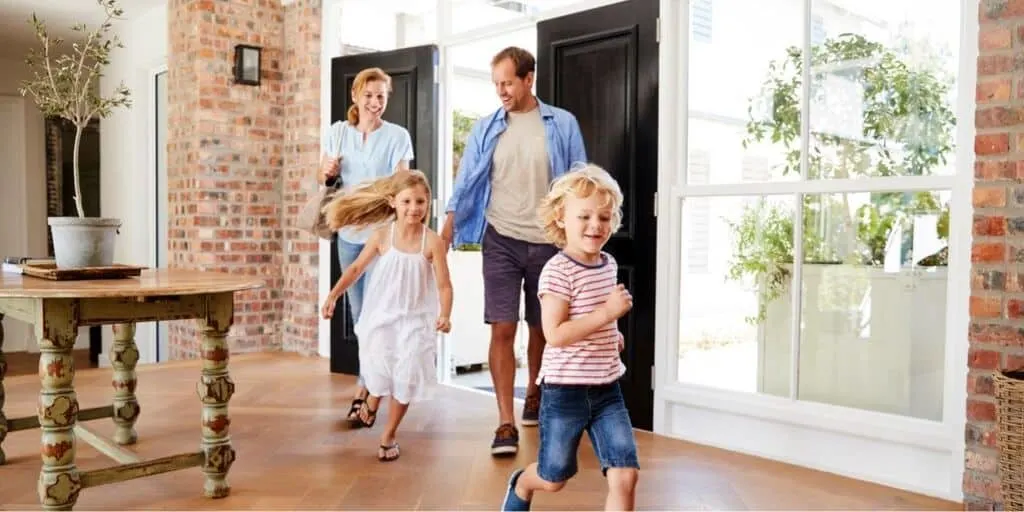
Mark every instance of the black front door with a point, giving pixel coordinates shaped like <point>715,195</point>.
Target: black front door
<point>602,65</point>
<point>412,104</point>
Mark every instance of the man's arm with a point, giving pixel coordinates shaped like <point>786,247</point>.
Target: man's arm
<point>577,152</point>
<point>468,162</point>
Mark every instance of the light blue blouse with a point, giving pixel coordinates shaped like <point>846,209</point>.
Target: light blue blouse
<point>365,161</point>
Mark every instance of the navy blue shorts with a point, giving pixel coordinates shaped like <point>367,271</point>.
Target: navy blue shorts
<point>566,411</point>
<point>512,266</point>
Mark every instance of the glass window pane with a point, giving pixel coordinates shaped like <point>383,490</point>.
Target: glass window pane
<point>874,302</point>
<point>883,88</point>
<point>725,240</point>
<point>374,26</point>
<point>469,15</point>
<point>729,103</point>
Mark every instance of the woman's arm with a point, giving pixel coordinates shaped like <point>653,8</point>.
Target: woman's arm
<point>443,277</point>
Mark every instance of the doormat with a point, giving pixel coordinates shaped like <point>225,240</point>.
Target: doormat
<point>520,392</point>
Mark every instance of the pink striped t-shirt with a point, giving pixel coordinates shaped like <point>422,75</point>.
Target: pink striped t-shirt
<point>594,359</point>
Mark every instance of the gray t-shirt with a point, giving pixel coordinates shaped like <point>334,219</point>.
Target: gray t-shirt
<point>519,178</point>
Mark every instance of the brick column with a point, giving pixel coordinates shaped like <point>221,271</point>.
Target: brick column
<point>997,282</point>
<point>301,156</point>
<point>225,158</point>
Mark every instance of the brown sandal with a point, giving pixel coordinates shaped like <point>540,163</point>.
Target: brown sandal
<point>371,417</point>
<point>383,455</point>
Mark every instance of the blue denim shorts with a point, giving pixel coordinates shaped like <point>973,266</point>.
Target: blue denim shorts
<point>566,411</point>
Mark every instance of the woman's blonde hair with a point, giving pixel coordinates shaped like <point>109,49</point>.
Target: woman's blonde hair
<point>581,183</point>
<point>371,203</point>
<point>360,82</point>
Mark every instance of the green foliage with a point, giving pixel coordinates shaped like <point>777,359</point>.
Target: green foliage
<point>65,83</point>
<point>906,130</point>
<point>462,123</point>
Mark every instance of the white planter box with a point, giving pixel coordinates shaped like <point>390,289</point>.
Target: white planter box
<point>470,338</point>
<point>870,339</point>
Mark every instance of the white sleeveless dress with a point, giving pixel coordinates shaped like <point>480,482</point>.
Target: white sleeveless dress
<point>397,328</point>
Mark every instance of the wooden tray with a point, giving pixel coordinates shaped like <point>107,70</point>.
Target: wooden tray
<point>51,272</point>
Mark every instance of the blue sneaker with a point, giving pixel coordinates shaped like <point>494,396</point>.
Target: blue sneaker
<point>512,501</point>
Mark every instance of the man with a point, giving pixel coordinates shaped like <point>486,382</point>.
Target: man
<point>510,159</point>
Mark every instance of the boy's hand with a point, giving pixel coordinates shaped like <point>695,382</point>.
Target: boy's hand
<point>443,324</point>
<point>327,310</point>
<point>618,303</point>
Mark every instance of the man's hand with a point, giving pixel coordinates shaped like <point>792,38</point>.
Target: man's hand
<point>448,230</point>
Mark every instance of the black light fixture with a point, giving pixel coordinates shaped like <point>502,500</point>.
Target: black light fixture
<point>247,64</point>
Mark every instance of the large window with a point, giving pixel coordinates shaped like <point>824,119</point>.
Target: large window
<point>835,177</point>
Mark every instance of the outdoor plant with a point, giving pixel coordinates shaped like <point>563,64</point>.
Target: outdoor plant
<point>462,123</point>
<point>65,84</point>
<point>905,129</point>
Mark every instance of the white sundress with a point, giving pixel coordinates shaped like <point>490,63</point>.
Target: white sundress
<point>397,328</point>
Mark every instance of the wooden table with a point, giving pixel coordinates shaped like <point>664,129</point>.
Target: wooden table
<point>57,309</point>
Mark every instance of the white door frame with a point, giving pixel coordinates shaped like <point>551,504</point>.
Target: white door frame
<point>147,333</point>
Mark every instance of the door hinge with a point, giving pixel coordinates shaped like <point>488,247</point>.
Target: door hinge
<point>655,204</point>
<point>654,381</point>
<point>657,30</point>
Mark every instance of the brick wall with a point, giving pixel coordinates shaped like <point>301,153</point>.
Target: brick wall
<point>997,283</point>
<point>301,156</point>
<point>225,160</point>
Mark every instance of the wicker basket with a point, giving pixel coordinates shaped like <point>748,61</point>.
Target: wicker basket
<point>1009,390</point>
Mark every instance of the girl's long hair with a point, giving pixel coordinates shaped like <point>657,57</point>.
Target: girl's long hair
<point>371,203</point>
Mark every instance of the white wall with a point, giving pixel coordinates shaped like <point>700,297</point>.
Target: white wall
<point>23,194</point>
<point>126,152</point>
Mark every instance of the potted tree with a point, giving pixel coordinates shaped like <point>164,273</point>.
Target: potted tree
<point>65,84</point>
<point>904,128</point>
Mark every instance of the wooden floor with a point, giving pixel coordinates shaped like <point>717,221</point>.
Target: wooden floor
<point>293,453</point>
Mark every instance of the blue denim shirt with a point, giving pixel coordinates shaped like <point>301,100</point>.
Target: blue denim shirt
<point>472,191</point>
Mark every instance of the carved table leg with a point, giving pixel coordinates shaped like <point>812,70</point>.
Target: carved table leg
<point>215,389</point>
<point>123,357</point>
<point>59,481</point>
<point>3,398</point>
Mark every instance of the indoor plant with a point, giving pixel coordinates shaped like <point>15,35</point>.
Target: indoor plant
<point>906,129</point>
<point>65,84</point>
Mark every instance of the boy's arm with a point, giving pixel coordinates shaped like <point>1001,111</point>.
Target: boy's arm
<point>554,291</point>
<point>444,280</point>
<point>356,269</point>
<point>559,331</point>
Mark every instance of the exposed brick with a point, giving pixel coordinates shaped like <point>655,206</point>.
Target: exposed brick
<point>981,462</point>
<point>1012,362</point>
<point>978,410</point>
<point>980,435</point>
<point>995,37</point>
<point>989,197</point>
<point>995,170</point>
<point>979,383</point>
<point>994,90</point>
<point>992,144</point>
<point>985,225</point>
<point>988,252</point>
<point>982,359</point>
<point>995,64</point>
<point>986,307</point>
<point>992,333</point>
<point>984,279</point>
<point>232,153</point>
<point>997,117</point>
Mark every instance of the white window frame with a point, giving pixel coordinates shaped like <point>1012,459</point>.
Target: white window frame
<point>867,445</point>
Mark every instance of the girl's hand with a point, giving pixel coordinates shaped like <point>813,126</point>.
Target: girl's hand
<point>443,324</point>
<point>327,310</point>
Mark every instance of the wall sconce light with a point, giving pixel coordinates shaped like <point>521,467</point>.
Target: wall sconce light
<point>247,64</point>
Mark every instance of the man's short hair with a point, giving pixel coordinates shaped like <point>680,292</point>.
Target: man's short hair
<point>522,60</point>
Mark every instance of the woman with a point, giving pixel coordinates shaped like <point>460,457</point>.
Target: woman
<point>361,149</point>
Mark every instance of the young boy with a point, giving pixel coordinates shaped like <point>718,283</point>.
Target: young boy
<point>581,302</point>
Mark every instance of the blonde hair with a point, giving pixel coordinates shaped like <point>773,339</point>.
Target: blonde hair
<point>371,203</point>
<point>360,82</point>
<point>581,183</point>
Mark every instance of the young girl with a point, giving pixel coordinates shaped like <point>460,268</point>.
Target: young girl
<point>581,302</point>
<point>408,286</point>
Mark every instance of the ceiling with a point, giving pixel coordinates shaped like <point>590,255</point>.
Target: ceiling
<point>17,36</point>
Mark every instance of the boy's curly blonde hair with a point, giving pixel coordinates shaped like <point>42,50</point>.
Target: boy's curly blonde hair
<point>582,182</point>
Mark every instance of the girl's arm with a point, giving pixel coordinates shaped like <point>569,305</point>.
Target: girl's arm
<point>356,269</point>
<point>444,280</point>
<point>559,331</point>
